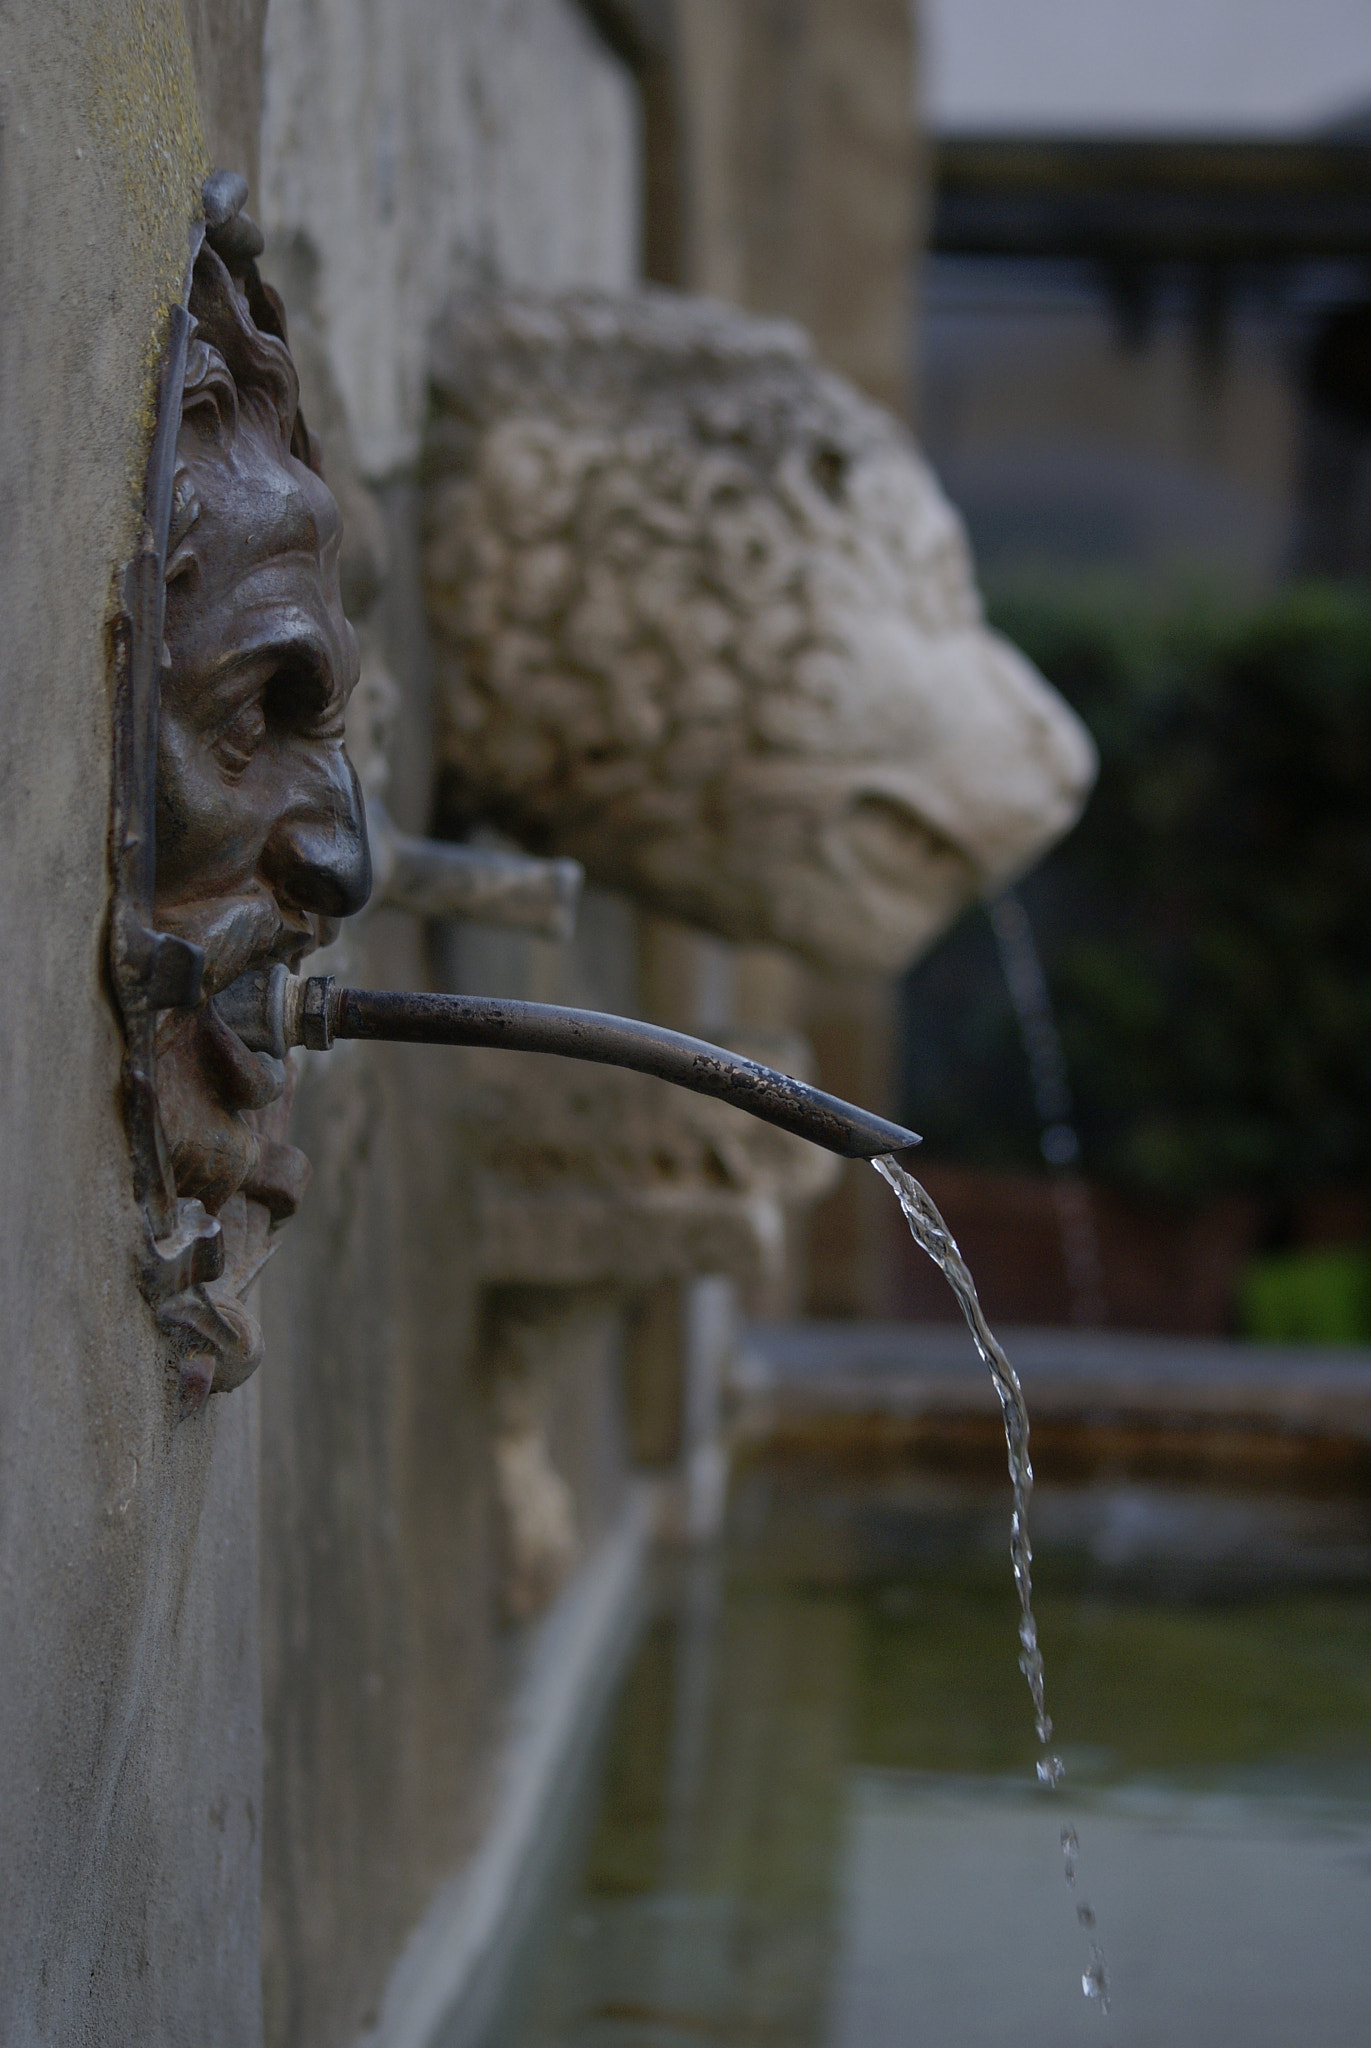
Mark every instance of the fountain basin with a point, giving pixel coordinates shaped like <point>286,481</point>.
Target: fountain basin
<point>814,1818</point>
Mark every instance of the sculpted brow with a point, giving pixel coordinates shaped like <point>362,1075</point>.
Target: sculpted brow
<point>234,682</point>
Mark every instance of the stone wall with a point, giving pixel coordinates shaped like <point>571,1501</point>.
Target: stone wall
<point>437,1432</point>
<point>406,147</point>
<point>130,1811</point>
<point>413,142</point>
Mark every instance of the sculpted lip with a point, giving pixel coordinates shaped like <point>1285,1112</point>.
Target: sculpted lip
<point>242,935</point>
<point>243,1079</point>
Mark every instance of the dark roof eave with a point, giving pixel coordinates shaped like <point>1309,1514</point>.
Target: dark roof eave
<point>1151,199</point>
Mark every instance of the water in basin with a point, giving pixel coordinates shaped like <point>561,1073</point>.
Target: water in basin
<point>814,1820</point>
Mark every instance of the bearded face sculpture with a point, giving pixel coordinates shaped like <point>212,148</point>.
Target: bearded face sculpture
<point>259,827</point>
<point>705,621</point>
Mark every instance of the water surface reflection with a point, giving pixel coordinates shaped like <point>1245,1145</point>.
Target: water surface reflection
<point>815,1821</point>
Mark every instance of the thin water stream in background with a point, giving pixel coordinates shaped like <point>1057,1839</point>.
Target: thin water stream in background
<point>932,1235</point>
<point>1059,1141</point>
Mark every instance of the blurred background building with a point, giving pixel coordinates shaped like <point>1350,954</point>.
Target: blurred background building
<point>1143,370</point>
<point>1146,279</point>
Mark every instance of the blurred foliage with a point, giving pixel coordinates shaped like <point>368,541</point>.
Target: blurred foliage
<point>1321,1296</point>
<point>1205,929</point>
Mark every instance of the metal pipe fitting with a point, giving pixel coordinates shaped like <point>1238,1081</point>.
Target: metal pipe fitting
<point>273,1010</point>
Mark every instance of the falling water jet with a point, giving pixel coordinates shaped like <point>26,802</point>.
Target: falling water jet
<point>932,1235</point>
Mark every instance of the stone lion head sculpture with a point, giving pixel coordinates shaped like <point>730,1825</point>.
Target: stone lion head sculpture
<point>704,620</point>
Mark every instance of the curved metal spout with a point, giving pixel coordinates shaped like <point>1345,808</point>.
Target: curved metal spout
<point>272,1011</point>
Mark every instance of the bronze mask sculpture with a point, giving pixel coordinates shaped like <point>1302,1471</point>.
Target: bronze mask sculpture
<point>259,828</point>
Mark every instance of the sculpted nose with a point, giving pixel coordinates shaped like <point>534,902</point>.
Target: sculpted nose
<point>318,859</point>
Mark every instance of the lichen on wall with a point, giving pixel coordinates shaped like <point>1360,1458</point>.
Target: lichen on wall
<point>137,83</point>
<point>129,1804</point>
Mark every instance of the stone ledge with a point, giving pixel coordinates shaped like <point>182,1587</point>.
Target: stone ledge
<point>455,1968</point>
<point>1095,1396</point>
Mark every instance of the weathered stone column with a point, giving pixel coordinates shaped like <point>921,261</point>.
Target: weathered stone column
<point>800,192</point>
<point>799,189</point>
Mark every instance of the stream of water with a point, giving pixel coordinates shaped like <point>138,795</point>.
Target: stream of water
<point>1059,1141</point>
<point>932,1235</point>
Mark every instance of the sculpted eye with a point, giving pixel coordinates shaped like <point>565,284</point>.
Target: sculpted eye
<point>297,699</point>
<point>301,698</point>
<point>241,738</point>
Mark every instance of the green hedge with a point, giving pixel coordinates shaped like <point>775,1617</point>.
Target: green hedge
<point>1207,927</point>
<point>1307,1297</point>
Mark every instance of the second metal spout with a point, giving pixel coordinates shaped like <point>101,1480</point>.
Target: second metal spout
<point>272,1010</point>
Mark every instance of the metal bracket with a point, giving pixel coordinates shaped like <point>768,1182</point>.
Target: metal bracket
<point>442,878</point>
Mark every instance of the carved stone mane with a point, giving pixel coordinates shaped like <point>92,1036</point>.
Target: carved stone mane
<point>705,621</point>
